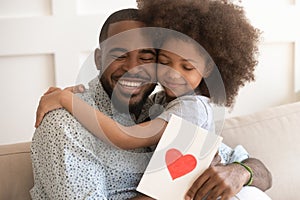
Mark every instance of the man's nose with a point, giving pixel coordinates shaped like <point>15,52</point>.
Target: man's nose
<point>132,65</point>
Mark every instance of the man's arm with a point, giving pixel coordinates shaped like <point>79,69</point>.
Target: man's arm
<point>64,157</point>
<point>262,177</point>
<point>227,180</point>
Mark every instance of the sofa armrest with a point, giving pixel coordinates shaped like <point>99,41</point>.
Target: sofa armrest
<point>273,137</point>
<point>16,178</point>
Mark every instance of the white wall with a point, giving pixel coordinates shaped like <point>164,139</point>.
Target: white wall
<point>44,43</point>
<point>278,72</point>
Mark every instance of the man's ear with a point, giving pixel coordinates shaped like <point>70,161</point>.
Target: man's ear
<point>97,57</point>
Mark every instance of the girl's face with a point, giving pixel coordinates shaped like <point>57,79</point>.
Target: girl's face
<point>180,67</point>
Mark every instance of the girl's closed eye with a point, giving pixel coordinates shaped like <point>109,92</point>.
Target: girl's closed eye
<point>188,67</point>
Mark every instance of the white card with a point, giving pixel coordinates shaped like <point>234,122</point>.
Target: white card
<point>182,154</point>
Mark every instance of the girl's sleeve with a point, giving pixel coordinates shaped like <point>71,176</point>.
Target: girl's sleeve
<point>191,108</point>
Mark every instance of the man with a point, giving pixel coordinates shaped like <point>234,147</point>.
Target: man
<point>70,163</point>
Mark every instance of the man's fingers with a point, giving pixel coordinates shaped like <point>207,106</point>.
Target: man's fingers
<point>226,196</point>
<point>215,193</point>
<point>216,160</point>
<point>205,190</point>
<point>196,186</point>
<point>76,89</point>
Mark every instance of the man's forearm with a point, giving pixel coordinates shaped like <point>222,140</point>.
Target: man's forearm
<point>262,177</point>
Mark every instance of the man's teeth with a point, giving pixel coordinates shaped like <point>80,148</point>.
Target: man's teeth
<point>130,83</point>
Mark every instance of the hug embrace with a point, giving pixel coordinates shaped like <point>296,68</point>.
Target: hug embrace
<point>96,144</point>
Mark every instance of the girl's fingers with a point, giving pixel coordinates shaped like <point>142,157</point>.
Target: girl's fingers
<point>76,89</point>
<point>39,117</point>
<point>51,89</point>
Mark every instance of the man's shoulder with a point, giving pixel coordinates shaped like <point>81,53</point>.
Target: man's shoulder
<point>58,116</point>
<point>61,117</point>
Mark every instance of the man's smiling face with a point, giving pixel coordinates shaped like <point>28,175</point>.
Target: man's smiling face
<point>128,66</point>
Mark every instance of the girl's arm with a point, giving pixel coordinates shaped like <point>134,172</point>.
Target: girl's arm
<point>105,128</point>
<point>102,126</point>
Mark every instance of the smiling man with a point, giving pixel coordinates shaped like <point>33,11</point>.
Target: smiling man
<point>128,74</point>
<point>68,161</point>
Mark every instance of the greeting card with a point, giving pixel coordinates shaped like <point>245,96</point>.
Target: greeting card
<point>182,154</point>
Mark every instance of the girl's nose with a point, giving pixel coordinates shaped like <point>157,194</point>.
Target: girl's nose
<point>173,74</point>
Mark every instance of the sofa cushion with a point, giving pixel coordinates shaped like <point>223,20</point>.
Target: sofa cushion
<point>273,136</point>
<point>16,178</point>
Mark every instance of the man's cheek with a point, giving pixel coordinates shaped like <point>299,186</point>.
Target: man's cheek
<point>109,65</point>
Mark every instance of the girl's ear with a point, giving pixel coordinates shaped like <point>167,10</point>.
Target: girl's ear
<point>97,57</point>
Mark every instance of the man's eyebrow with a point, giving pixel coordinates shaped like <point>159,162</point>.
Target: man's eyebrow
<point>151,51</point>
<point>122,50</point>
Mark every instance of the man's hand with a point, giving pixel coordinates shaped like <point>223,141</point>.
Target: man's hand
<point>225,181</point>
<point>219,180</point>
<point>216,160</point>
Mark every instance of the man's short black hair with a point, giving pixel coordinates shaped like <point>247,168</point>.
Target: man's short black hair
<point>121,15</point>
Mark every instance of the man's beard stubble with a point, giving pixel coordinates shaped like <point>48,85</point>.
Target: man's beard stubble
<point>127,107</point>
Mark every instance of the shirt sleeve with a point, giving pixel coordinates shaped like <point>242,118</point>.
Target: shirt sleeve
<point>191,108</point>
<point>229,155</point>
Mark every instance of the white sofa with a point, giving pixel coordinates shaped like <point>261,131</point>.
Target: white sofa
<point>272,135</point>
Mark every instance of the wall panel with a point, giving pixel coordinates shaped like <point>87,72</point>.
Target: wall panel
<point>46,42</point>
<point>28,8</point>
<point>274,84</point>
<point>23,80</point>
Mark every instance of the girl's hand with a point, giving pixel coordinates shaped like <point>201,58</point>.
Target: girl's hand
<point>76,89</point>
<point>49,101</point>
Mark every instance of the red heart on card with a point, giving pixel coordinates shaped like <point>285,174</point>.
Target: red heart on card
<point>178,164</point>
